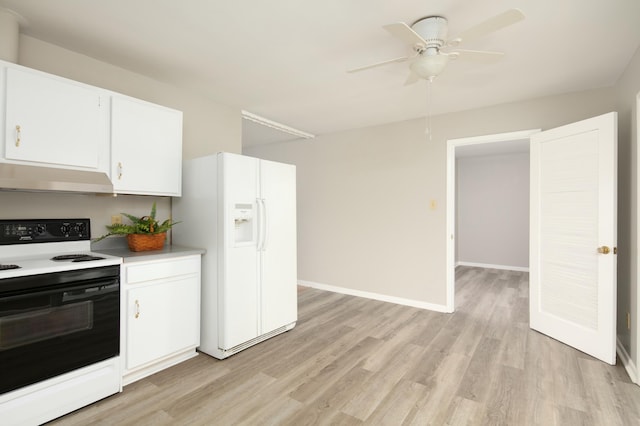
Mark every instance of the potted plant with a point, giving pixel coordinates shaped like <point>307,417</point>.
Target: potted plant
<point>144,233</point>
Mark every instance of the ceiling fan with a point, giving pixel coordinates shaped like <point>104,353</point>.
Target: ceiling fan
<point>428,39</point>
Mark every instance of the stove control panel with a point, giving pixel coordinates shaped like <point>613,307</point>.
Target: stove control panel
<point>44,230</point>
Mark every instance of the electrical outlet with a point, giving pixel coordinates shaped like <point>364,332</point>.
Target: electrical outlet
<point>116,219</point>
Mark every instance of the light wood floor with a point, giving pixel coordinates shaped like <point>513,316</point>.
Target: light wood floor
<point>353,361</point>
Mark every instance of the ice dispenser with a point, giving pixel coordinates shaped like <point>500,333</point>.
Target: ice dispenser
<point>243,221</point>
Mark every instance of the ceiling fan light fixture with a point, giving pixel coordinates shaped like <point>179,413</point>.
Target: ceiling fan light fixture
<point>433,29</point>
<point>428,37</point>
<point>429,66</point>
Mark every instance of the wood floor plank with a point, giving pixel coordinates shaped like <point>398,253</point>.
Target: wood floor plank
<point>520,311</point>
<point>502,404</point>
<point>400,345</point>
<point>435,408</point>
<point>398,404</point>
<point>326,404</point>
<point>513,349</point>
<point>462,411</point>
<point>353,361</point>
<point>304,350</point>
<point>278,410</point>
<point>431,329</point>
<point>468,332</point>
<point>569,416</point>
<point>476,382</point>
<point>208,403</point>
<point>362,403</point>
<point>395,322</point>
<point>342,419</point>
<point>332,372</point>
<point>426,370</point>
<point>601,395</point>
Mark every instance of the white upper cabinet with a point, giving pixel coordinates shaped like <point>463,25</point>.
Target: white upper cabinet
<point>53,121</point>
<point>146,148</point>
<point>46,120</point>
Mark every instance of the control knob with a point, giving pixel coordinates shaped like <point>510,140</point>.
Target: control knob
<point>65,228</point>
<point>80,228</point>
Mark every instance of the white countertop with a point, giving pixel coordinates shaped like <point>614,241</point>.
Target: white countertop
<point>169,251</point>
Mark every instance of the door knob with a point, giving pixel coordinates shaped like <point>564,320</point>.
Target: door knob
<point>604,250</point>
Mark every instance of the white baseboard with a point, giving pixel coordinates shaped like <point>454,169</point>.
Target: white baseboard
<point>376,296</point>
<point>627,362</point>
<point>490,266</point>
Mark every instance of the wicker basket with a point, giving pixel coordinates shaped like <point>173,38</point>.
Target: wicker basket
<point>145,242</point>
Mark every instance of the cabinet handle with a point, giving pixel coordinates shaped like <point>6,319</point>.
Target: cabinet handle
<point>18,135</point>
<point>119,170</point>
<point>137,309</point>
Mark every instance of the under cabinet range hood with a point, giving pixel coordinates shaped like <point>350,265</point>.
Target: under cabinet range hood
<point>34,178</point>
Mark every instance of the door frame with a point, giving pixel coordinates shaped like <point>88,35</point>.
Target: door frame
<point>636,282</point>
<point>452,144</point>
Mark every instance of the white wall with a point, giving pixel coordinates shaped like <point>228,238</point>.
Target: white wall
<point>492,200</point>
<point>209,127</point>
<point>626,90</point>
<point>364,216</point>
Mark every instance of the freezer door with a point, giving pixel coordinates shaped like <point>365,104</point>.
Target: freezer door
<point>278,261</point>
<point>238,255</point>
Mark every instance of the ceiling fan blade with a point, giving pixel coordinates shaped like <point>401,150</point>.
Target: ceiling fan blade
<point>412,78</point>
<point>390,61</point>
<point>496,23</point>
<point>484,56</point>
<point>405,33</point>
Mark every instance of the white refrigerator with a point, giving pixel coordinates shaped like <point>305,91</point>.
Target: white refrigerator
<point>242,210</point>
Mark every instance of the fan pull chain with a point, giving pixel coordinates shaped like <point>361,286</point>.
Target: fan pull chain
<point>427,131</point>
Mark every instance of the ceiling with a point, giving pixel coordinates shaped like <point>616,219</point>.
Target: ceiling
<point>286,60</point>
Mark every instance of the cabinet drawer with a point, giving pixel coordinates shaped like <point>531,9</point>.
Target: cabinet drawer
<point>162,269</point>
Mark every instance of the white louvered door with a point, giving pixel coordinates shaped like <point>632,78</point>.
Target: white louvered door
<point>573,235</point>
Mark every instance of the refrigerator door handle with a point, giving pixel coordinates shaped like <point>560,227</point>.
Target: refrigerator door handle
<point>258,219</point>
<point>265,224</point>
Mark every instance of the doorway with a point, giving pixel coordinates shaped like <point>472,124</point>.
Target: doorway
<point>498,143</point>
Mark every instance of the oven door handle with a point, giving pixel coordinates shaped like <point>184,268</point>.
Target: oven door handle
<point>71,292</point>
<point>89,292</point>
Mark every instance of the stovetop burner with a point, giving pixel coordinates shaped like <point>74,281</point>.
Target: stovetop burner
<point>68,256</point>
<point>7,267</point>
<point>76,257</point>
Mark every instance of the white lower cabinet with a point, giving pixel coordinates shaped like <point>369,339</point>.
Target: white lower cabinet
<point>161,314</point>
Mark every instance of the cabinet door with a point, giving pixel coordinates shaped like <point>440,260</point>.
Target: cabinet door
<point>162,318</point>
<point>50,120</point>
<point>146,146</point>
